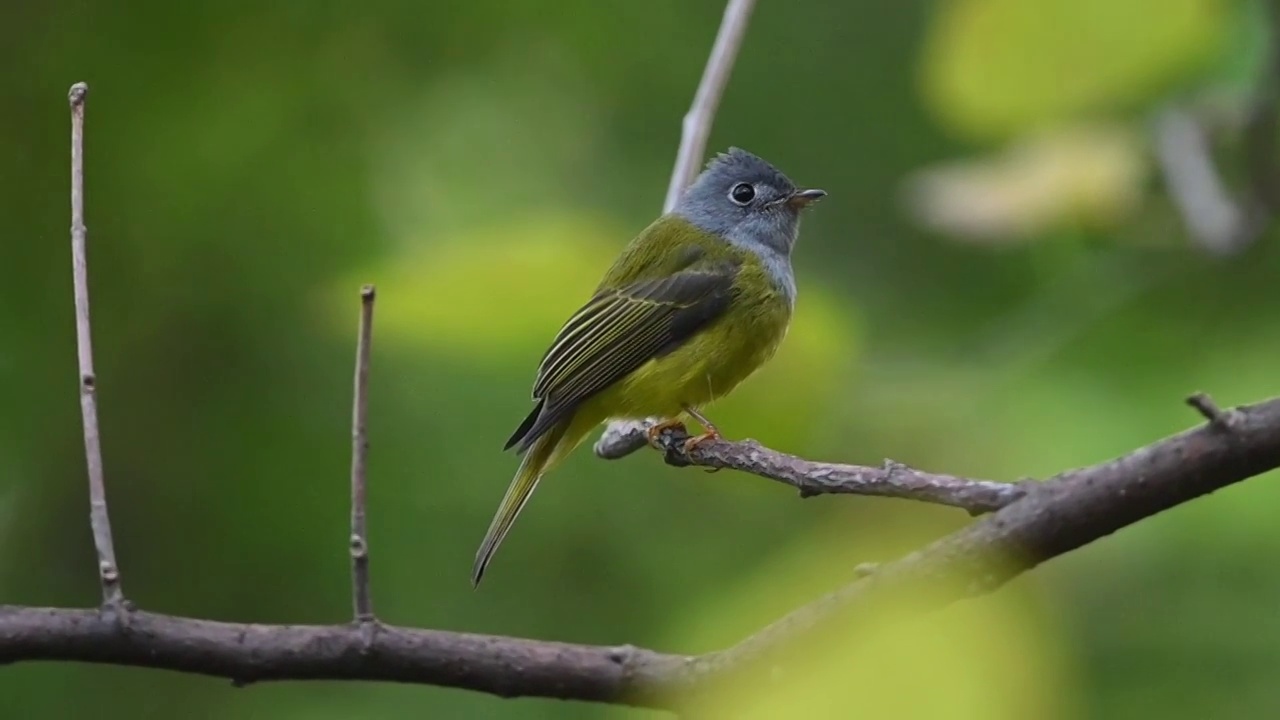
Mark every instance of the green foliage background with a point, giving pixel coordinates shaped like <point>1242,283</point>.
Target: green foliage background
<point>251,164</point>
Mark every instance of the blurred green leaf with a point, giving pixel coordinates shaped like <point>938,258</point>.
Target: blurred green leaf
<point>1244,52</point>
<point>995,657</point>
<point>992,68</point>
<point>496,293</point>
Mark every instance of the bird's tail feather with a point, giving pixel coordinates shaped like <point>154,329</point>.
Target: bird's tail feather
<point>541,456</point>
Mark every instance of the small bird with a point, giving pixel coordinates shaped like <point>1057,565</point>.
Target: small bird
<point>695,304</point>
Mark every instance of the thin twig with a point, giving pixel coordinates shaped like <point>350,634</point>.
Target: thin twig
<point>811,478</point>
<point>99,519</point>
<point>1052,518</point>
<point>1216,221</point>
<point>1217,417</point>
<point>623,437</point>
<point>1213,219</point>
<point>1205,405</point>
<point>706,101</point>
<point>892,479</point>
<point>361,602</point>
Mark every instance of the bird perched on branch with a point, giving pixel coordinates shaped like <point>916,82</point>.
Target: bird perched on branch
<point>695,304</point>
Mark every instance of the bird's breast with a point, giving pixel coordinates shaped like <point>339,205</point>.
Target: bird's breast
<point>715,360</point>
<point>744,339</point>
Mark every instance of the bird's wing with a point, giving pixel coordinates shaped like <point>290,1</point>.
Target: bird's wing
<point>619,330</point>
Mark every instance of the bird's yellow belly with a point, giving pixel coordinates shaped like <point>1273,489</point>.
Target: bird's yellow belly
<point>707,367</point>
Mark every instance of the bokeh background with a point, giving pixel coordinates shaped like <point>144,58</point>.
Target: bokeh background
<point>998,285</point>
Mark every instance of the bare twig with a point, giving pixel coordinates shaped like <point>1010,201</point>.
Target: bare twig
<point>361,602</point>
<point>811,478</point>
<point>1205,406</point>
<point>99,519</point>
<point>1217,417</point>
<point>1213,219</point>
<point>715,76</point>
<point>623,437</point>
<point>1051,519</point>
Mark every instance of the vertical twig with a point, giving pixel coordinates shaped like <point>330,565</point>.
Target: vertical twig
<point>623,437</point>
<point>99,519</point>
<point>706,101</point>
<point>359,455</point>
<point>1213,219</point>
<point>1216,221</point>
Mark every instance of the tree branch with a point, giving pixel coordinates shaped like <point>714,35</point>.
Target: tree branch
<point>250,653</point>
<point>893,479</point>
<point>1051,518</point>
<point>622,437</point>
<point>99,519</point>
<point>1055,517</point>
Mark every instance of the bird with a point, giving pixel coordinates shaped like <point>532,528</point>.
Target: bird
<point>693,305</point>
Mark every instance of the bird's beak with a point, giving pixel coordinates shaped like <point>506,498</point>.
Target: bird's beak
<point>804,198</point>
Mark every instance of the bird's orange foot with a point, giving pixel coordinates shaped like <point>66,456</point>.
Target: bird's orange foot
<point>709,433</point>
<point>654,432</point>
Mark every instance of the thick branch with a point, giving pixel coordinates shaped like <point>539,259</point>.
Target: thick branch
<point>248,653</point>
<point>99,520</point>
<point>1052,518</point>
<point>1055,517</point>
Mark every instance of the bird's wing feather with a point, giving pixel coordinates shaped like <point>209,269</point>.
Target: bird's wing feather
<point>619,330</point>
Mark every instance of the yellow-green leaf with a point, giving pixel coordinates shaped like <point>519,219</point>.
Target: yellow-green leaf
<point>997,657</point>
<point>494,293</point>
<point>993,68</point>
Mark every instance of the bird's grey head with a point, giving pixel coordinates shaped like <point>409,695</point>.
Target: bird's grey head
<point>747,201</point>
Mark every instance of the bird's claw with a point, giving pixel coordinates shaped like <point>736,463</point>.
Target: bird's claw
<point>693,442</point>
<point>654,432</point>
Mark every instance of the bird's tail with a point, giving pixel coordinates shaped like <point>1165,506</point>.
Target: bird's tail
<point>545,453</point>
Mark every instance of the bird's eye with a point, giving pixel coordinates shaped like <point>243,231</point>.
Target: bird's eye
<point>742,193</point>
